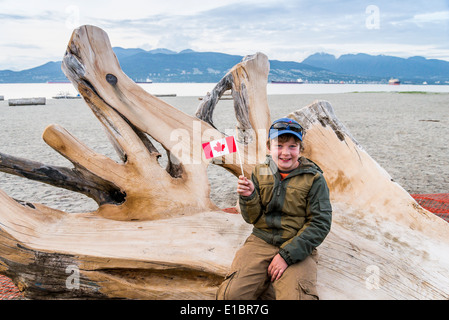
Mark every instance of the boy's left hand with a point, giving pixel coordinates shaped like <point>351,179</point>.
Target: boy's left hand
<point>277,267</point>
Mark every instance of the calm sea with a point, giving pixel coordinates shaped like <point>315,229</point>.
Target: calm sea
<point>48,90</point>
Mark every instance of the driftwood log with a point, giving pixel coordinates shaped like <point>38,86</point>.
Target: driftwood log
<point>156,233</point>
<point>27,101</point>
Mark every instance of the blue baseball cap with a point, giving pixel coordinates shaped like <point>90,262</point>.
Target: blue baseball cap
<point>286,125</point>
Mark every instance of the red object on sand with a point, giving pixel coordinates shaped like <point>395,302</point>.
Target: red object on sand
<point>437,203</point>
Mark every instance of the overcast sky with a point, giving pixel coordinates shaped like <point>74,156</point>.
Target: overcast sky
<point>35,32</point>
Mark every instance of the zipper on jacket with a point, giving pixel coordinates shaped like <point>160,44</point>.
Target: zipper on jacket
<point>279,188</point>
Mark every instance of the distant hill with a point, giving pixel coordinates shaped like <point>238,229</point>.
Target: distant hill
<point>50,71</point>
<point>413,70</point>
<point>163,65</point>
<point>185,66</point>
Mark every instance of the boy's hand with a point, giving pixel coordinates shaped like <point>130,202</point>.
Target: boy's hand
<point>277,267</point>
<point>245,187</point>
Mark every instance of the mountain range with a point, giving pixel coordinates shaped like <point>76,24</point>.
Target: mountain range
<point>163,65</point>
<point>414,69</point>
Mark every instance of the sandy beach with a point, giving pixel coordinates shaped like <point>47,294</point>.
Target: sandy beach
<point>406,133</point>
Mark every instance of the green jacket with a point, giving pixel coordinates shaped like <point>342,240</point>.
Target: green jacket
<point>294,214</point>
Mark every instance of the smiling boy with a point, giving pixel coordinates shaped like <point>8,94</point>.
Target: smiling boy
<point>287,201</point>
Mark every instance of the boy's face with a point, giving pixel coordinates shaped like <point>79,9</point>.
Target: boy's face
<point>285,154</point>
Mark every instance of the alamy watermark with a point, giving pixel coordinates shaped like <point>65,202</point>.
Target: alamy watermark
<point>72,282</point>
<point>372,281</point>
<point>73,17</point>
<point>187,145</point>
<point>373,17</point>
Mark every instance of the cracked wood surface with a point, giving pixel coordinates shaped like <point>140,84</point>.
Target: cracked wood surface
<point>157,235</point>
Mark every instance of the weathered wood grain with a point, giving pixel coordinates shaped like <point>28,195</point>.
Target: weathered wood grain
<point>156,233</point>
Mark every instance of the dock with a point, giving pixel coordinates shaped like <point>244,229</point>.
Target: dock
<point>27,101</point>
<point>159,95</point>
<point>227,95</point>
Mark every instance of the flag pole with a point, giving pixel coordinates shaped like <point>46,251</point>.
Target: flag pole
<point>240,158</point>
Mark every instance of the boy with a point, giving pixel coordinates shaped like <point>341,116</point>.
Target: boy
<point>287,201</point>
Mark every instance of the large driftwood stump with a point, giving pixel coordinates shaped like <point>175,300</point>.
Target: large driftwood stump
<point>157,235</point>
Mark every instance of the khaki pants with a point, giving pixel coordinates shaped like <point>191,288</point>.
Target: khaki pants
<point>248,277</point>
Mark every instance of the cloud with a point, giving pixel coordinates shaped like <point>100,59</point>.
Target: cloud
<point>4,17</point>
<point>283,29</point>
<point>21,46</point>
<point>431,18</point>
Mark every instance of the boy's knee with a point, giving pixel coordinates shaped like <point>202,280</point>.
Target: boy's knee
<point>238,288</point>
<point>307,290</point>
<point>225,290</point>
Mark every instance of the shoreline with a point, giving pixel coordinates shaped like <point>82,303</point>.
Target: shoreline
<point>49,90</point>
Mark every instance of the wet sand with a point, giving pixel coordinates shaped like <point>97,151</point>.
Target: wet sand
<point>406,133</point>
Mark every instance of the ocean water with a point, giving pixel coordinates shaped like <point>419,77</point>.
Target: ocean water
<point>406,133</point>
<point>49,90</point>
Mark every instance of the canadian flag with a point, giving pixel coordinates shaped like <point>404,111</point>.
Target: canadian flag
<point>220,147</point>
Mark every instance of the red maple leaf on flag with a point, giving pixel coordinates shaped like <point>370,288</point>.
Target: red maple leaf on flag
<point>219,147</point>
